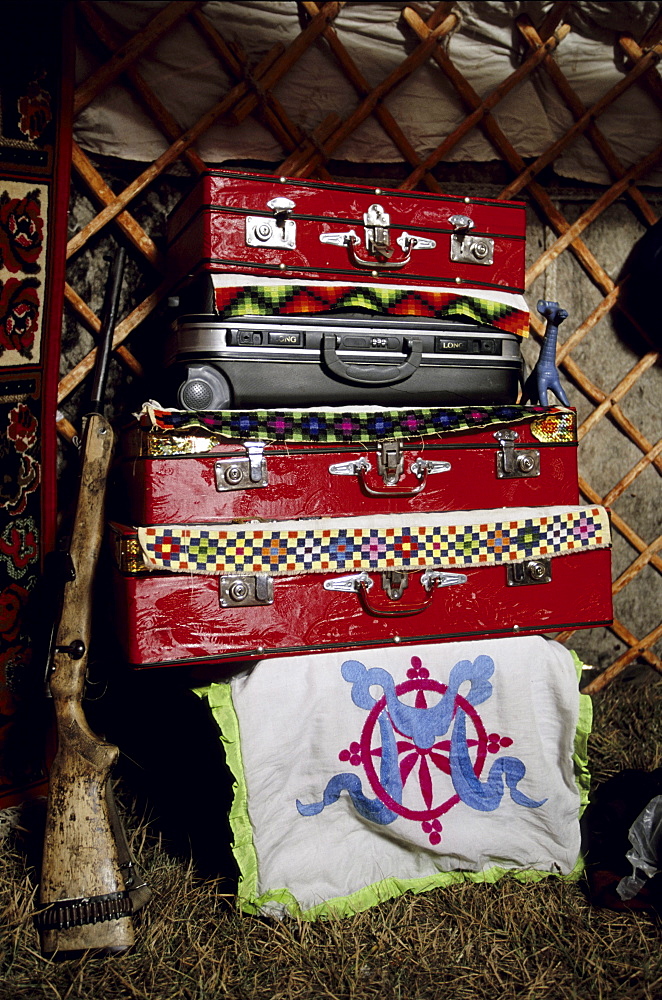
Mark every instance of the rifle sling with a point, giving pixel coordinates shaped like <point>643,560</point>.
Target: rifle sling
<point>66,913</point>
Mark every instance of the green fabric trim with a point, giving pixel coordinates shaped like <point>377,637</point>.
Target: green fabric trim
<point>219,697</point>
<point>343,426</point>
<point>390,888</point>
<point>583,731</point>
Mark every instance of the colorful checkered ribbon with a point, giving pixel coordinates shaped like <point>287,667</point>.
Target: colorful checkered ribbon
<point>349,426</point>
<point>294,300</point>
<point>406,542</point>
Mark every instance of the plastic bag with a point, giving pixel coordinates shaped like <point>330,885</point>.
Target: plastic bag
<point>645,853</point>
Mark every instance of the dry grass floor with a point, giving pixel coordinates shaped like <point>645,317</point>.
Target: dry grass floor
<point>538,942</point>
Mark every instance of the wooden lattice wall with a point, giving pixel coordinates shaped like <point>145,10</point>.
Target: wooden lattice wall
<point>312,155</point>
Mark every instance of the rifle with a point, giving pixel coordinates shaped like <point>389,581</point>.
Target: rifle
<point>90,884</point>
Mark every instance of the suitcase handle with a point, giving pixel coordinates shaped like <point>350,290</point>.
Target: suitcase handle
<point>415,609</point>
<point>372,265</point>
<point>372,374</point>
<point>391,491</point>
<point>431,580</point>
<point>421,468</point>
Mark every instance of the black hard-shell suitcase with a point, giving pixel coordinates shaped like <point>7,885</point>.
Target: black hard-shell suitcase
<point>284,361</point>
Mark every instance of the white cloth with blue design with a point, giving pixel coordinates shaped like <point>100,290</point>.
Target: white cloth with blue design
<point>364,774</point>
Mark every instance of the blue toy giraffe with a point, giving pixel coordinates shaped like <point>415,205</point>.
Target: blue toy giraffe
<point>545,375</point>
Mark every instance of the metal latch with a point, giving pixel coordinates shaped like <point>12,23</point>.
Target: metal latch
<point>466,249</point>
<point>377,242</point>
<point>242,473</point>
<point>390,462</point>
<point>513,463</point>
<point>376,222</point>
<point>394,583</point>
<point>246,591</point>
<point>277,232</point>
<point>530,572</point>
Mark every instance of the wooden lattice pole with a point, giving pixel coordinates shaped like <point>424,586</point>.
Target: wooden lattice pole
<point>593,133</point>
<point>295,166</point>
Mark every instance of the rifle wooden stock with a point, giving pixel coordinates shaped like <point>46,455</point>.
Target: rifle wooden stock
<point>83,885</point>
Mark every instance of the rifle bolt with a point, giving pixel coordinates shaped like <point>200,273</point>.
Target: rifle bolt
<point>75,649</point>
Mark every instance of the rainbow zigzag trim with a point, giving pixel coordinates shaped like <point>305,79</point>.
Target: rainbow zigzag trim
<point>294,300</point>
<point>458,539</point>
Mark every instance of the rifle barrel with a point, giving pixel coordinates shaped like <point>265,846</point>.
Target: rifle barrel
<point>110,307</point>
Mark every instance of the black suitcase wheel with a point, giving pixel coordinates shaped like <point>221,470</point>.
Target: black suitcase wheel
<point>204,388</point>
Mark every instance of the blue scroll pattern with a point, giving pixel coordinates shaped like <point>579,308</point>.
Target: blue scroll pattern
<point>424,739</point>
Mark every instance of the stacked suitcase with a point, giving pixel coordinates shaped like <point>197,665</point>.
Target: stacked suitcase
<point>342,462</point>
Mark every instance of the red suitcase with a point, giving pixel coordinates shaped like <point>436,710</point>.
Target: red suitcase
<point>244,591</point>
<point>239,223</point>
<point>178,467</point>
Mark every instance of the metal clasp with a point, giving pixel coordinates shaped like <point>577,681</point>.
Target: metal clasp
<point>279,232</point>
<point>390,462</point>
<point>394,583</point>
<point>467,249</point>
<point>377,222</point>
<point>531,572</point>
<point>377,241</point>
<point>242,473</point>
<point>246,591</point>
<point>513,463</point>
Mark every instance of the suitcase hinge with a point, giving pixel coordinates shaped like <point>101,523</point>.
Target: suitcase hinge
<point>467,249</point>
<point>426,466</point>
<point>351,583</point>
<point>242,473</point>
<point>530,572</point>
<point>350,468</point>
<point>390,462</point>
<point>377,241</point>
<point>438,578</point>
<point>513,463</point>
<point>246,591</point>
<point>277,232</point>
